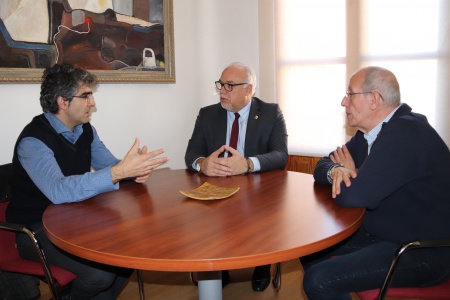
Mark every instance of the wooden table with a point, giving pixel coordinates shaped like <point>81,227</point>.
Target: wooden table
<point>275,216</point>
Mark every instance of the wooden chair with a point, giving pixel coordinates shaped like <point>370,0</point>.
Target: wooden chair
<point>441,291</point>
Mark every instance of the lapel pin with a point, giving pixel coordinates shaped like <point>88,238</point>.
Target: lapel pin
<point>256,117</point>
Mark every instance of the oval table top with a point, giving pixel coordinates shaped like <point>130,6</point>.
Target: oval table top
<point>275,216</point>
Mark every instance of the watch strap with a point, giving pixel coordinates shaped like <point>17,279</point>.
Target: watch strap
<point>329,176</point>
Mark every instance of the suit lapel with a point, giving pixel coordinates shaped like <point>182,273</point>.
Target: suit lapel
<point>252,124</point>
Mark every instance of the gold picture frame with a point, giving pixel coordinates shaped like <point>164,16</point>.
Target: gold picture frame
<point>161,68</point>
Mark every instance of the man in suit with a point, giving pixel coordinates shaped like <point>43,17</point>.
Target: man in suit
<point>396,167</point>
<point>261,144</point>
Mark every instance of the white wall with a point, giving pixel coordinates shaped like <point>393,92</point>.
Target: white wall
<point>209,34</point>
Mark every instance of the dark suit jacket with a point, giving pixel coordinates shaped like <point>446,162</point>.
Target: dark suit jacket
<point>404,183</point>
<point>266,136</point>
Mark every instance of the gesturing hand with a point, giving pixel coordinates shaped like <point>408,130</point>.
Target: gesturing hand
<point>137,163</point>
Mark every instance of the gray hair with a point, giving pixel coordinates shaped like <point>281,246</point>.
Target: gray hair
<point>251,74</point>
<point>384,82</point>
<point>63,80</point>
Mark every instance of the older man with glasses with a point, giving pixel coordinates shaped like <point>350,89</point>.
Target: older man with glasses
<point>396,166</point>
<point>241,134</point>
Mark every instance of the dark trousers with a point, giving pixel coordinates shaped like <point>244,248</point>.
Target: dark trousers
<point>361,263</point>
<point>94,280</point>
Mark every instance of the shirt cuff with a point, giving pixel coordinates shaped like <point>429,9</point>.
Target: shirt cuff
<point>256,164</point>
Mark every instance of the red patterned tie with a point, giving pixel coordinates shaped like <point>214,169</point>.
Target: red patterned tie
<point>234,132</point>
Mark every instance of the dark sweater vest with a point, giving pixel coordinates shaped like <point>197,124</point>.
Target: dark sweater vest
<point>28,202</point>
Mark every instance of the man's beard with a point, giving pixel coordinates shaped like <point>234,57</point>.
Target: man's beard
<point>228,107</point>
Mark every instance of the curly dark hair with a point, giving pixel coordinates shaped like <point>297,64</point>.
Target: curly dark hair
<point>63,80</point>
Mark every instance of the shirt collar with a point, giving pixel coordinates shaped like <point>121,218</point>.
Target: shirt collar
<point>62,129</point>
<point>371,136</point>
<point>243,113</point>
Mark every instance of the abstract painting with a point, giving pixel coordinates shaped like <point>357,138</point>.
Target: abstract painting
<point>118,40</point>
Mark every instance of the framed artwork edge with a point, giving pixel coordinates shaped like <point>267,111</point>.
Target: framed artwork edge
<point>23,75</point>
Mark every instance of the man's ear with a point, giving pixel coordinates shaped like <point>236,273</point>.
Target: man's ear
<point>249,89</point>
<point>63,104</point>
<point>375,100</point>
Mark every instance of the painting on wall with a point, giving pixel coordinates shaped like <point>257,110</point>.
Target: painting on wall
<point>118,40</point>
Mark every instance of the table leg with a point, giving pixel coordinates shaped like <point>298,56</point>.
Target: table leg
<point>210,285</point>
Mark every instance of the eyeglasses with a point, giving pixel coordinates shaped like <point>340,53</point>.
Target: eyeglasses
<point>87,96</point>
<point>227,86</point>
<point>348,94</point>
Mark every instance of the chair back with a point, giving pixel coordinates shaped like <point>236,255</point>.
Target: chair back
<point>11,261</point>
<point>7,239</point>
<point>440,291</point>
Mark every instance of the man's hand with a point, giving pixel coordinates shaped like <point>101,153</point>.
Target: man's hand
<point>237,162</point>
<point>343,156</point>
<point>214,165</point>
<point>340,174</point>
<point>137,163</point>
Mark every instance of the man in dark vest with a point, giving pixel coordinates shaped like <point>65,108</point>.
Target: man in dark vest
<point>59,158</point>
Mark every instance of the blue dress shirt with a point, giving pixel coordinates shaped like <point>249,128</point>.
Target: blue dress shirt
<point>40,163</point>
<point>243,118</point>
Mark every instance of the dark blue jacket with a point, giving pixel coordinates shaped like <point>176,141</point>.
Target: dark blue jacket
<point>404,183</point>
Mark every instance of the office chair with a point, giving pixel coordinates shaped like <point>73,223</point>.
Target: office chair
<point>10,261</point>
<point>440,291</point>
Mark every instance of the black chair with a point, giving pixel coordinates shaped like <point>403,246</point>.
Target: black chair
<point>441,291</point>
<point>10,260</point>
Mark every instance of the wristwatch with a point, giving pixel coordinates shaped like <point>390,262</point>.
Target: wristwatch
<point>329,177</point>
